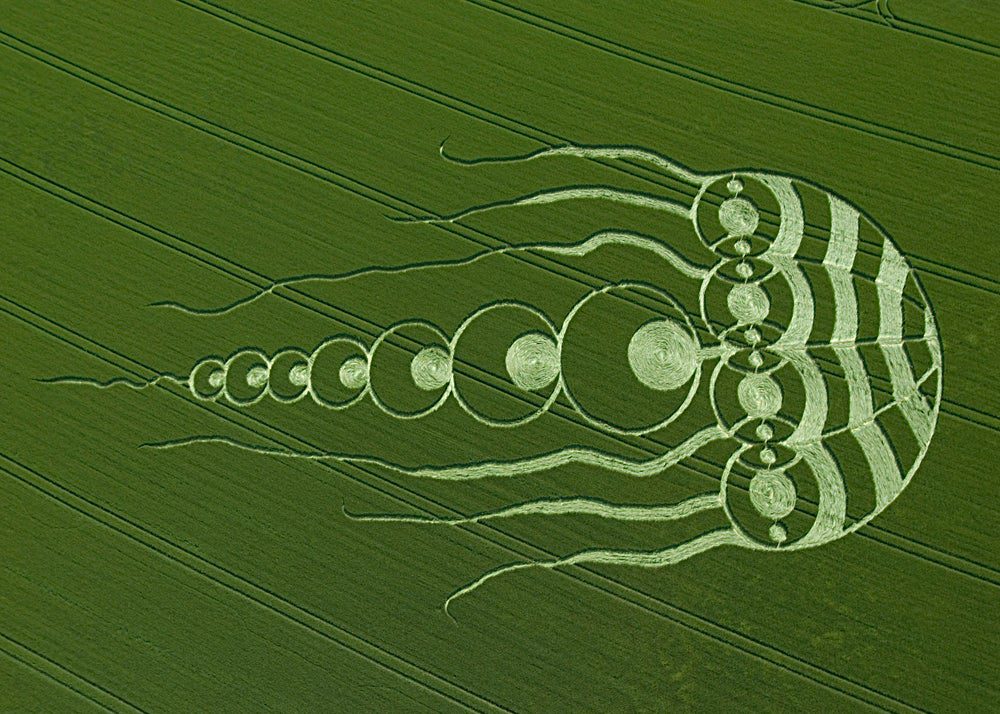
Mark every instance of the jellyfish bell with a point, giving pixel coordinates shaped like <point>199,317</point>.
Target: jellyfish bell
<point>846,452</point>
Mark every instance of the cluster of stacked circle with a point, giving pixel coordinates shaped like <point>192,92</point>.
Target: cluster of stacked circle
<point>743,270</point>
<point>410,369</point>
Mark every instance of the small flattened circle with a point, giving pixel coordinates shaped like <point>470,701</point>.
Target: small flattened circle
<point>753,345</point>
<point>288,375</point>
<point>410,369</point>
<point>607,379</point>
<point>325,370</point>
<point>778,533</point>
<point>353,373</point>
<point>207,378</point>
<point>516,340</point>
<point>431,368</point>
<point>759,395</point>
<point>662,355</point>
<point>739,216</point>
<point>763,437</point>
<point>533,361</point>
<point>257,377</point>
<point>748,303</point>
<point>246,377</point>
<point>772,493</point>
<point>299,375</point>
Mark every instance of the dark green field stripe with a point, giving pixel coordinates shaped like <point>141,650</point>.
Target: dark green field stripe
<point>52,670</point>
<point>636,170</point>
<point>959,563</point>
<point>910,27</point>
<point>942,557</point>
<point>229,580</point>
<point>347,183</point>
<point>235,575</point>
<point>847,121</point>
<point>828,365</point>
<point>409,672</point>
<point>951,558</point>
<point>612,586</point>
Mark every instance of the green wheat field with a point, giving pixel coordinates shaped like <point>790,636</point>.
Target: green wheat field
<point>164,160</point>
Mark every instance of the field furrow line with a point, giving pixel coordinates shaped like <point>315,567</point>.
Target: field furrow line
<point>772,99</point>
<point>647,445</point>
<point>612,586</point>
<point>641,171</point>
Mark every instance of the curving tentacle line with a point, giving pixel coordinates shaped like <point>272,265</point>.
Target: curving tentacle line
<point>586,152</point>
<point>577,249</point>
<point>563,506</point>
<point>639,559</point>
<point>117,381</point>
<point>881,8</point>
<point>474,471</point>
<point>630,238</point>
<point>569,193</point>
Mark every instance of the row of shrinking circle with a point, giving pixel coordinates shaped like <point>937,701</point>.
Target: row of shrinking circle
<point>663,354</point>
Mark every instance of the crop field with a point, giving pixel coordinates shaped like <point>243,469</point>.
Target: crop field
<point>499,355</point>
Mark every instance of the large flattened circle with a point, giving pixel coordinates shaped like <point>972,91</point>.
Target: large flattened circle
<point>517,344</point>
<point>409,371</point>
<point>627,354</point>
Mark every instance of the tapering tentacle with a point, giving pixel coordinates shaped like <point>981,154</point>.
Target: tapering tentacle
<point>640,559</point>
<point>569,193</point>
<point>117,381</point>
<point>565,506</point>
<point>493,469</point>
<point>575,249</point>
<point>588,152</point>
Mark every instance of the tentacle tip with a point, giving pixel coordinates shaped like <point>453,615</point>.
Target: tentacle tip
<point>447,612</point>
<point>451,158</point>
<point>152,445</point>
<point>170,305</point>
<point>420,219</point>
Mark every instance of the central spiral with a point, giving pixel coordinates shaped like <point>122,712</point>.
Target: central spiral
<point>748,303</point>
<point>662,355</point>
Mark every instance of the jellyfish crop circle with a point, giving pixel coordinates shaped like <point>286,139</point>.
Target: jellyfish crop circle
<point>824,359</point>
